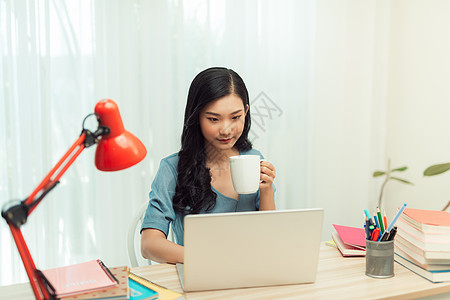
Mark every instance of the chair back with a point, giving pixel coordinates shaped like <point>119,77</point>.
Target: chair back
<point>134,238</point>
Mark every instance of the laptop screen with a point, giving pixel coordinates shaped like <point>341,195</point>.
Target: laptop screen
<point>244,249</point>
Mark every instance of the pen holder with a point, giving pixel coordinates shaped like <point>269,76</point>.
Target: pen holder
<point>380,259</point>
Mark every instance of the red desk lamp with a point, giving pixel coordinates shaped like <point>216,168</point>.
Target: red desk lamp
<point>117,149</point>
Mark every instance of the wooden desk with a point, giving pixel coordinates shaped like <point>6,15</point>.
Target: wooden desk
<point>337,278</point>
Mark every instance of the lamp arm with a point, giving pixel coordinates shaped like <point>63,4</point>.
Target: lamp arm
<point>16,213</point>
<point>48,182</point>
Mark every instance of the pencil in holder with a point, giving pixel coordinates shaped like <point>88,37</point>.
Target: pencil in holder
<point>380,259</point>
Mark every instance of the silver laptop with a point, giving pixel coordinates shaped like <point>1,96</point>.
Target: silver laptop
<point>249,249</point>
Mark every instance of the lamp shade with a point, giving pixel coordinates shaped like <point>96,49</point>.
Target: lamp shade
<point>119,149</point>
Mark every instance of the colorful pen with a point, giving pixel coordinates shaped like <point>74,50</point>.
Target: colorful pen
<point>366,211</point>
<point>393,233</point>
<point>384,237</point>
<point>380,220</point>
<point>375,234</point>
<point>377,222</point>
<point>371,229</point>
<point>394,220</point>
<point>366,228</point>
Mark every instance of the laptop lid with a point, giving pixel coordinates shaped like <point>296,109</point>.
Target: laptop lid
<point>248,249</point>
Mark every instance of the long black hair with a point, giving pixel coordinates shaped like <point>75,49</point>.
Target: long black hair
<point>193,191</point>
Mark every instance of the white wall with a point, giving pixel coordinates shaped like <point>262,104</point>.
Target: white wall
<point>418,120</point>
<point>387,78</point>
<point>348,117</point>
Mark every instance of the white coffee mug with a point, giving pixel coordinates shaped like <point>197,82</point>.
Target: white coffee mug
<point>245,173</point>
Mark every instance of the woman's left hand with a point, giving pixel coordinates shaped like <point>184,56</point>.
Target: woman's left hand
<point>267,175</point>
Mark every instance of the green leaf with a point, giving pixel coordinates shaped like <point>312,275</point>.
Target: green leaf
<point>400,169</point>
<point>436,169</point>
<point>378,173</point>
<point>401,180</point>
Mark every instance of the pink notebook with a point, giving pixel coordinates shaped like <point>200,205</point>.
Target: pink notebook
<point>80,278</point>
<point>351,235</point>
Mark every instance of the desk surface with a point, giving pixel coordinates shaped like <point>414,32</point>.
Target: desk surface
<point>337,278</point>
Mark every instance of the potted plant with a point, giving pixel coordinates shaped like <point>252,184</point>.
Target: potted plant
<point>436,170</point>
<point>388,177</point>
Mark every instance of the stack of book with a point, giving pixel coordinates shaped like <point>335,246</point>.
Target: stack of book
<point>122,291</point>
<point>349,240</point>
<point>422,243</point>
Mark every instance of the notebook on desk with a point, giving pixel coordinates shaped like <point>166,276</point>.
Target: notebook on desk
<point>249,249</point>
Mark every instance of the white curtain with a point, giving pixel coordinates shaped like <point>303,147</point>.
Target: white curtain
<point>315,71</point>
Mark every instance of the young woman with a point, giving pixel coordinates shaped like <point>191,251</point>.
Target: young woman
<point>197,179</point>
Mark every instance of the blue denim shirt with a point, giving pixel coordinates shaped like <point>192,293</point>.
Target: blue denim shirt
<point>160,212</point>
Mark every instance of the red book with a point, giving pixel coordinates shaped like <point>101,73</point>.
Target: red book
<point>353,236</point>
<point>351,241</point>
